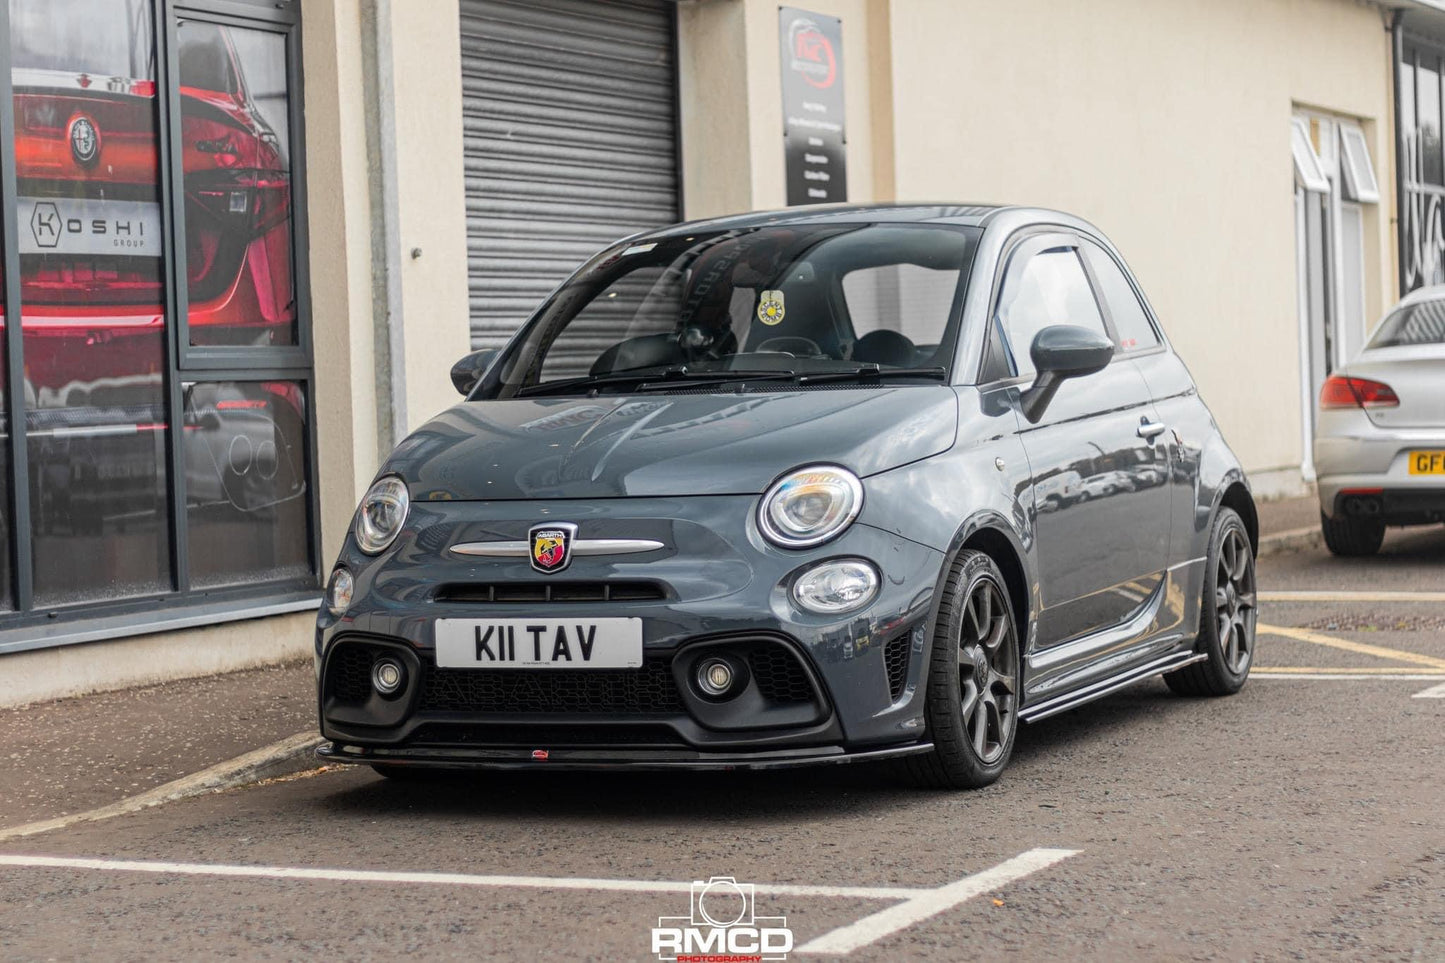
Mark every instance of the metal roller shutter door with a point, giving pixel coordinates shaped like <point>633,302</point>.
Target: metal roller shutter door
<point>569,113</point>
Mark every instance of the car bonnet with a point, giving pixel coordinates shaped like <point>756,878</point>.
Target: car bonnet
<point>668,445</point>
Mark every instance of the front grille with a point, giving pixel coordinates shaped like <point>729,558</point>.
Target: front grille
<point>779,676</point>
<point>547,592</point>
<point>536,737</point>
<point>648,690</point>
<point>348,672</point>
<point>895,657</point>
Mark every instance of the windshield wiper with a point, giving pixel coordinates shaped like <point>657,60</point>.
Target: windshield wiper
<point>648,379</point>
<point>872,372</point>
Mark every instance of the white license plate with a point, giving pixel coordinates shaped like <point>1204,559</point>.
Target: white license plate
<point>89,227</point>
<point>539,643</point>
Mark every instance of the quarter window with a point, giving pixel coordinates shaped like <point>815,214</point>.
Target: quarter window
<point>1131,321</point>
<point>1051,288</point>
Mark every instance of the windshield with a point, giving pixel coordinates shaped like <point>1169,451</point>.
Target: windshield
<point>1420,323</point>
<point>815,302</point>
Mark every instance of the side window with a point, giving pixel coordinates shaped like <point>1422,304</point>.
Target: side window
<point>1131,321</point>
<point>1050,288</point>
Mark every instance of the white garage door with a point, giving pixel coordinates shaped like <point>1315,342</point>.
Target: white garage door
<point>570,116</point>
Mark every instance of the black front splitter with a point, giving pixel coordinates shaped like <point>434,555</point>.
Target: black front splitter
<point>616,760</point>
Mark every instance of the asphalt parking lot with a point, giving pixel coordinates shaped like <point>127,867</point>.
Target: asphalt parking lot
<point>1302,819</point>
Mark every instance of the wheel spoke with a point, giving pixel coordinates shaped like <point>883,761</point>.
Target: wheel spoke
<point>985,611</point>
<point>980,730</point>
<point>970,699</point>
<point>999,678</point>
<point>1247,600</point>
<point>1221,599</point>
<point>972,608</point>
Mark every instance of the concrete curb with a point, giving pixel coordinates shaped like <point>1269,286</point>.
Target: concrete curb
<point>292,754</point>
<point>1294,540</point>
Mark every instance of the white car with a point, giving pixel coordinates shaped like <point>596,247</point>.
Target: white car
<point>1380,430</point>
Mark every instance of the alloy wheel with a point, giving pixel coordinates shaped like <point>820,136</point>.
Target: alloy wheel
<point>1235,602</point>
<point>987,671</point>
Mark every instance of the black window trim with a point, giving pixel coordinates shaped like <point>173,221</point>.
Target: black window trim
<point>1120,351</point>
<point>183,606</point>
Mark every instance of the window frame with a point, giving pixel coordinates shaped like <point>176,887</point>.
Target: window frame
<point>1017,250</point>
<point>1160,344</point>
<point>26,626</point>
<point>1357,169</point>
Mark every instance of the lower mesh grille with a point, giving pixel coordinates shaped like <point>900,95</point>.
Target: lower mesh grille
<point>895,657</point>
<point>779,676</point>
<point>648,690</point>
<point>348,673</point>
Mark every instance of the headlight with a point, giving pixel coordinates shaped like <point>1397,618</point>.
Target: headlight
<point>837,587</point>
<point>809,506</point>
<point>383,513</point>
<point>338,593</point>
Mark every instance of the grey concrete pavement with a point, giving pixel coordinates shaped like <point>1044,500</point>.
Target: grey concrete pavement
<point>62,757</point>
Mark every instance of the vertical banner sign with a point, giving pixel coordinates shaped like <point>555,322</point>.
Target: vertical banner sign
<point>813,136</point>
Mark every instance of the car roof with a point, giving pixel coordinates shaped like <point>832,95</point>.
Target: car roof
<point>1434,292</point>
<point>967,215</point>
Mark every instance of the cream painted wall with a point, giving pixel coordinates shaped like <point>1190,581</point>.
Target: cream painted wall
<point>712,57</point>
<point>1166,124</point>
<point>427,52</point>
<point>730,89</point>
<point>339,213</point>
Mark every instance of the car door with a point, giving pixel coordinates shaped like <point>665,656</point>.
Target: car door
<point>1176,402</point>
<point>1102,534</point>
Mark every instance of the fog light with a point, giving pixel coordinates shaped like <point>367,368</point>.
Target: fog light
<point>338,593</point>
<point>715,677</point>
<point>836,587</point>
<point>386,676</point>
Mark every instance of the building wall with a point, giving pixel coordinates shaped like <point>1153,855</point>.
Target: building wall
<point>1165,122</point>
<point>1166,125</point>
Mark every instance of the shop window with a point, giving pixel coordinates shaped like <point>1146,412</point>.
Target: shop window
<point>246,468</point>
<point>234,105</point>
<point>153,473</point>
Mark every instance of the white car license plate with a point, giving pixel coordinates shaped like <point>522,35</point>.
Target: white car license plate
<point>88,227</point>
<point>539,643</point>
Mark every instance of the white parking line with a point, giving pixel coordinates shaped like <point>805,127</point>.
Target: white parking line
<point>1348,675</point>
<point>870,929</point>
<point>1312,595</point>
<point>918,903</point>
<point>1434,692</point>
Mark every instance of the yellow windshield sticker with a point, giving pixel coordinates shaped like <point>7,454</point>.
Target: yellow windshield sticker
<point>770,308</point>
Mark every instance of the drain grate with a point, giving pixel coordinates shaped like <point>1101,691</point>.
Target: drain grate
<point>1377,622</point>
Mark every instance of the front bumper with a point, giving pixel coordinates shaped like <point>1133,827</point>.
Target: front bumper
<point>598,759</point>
<point>826,688</point>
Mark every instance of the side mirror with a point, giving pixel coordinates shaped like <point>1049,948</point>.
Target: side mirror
<point>468,371</point>
<point>1059,352</point>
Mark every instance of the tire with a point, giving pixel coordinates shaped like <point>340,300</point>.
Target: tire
<point>975,654</point>
<point>1352,537</point>
<point>1227,615</point>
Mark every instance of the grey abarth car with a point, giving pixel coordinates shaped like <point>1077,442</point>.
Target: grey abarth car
<point>811,486</point>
